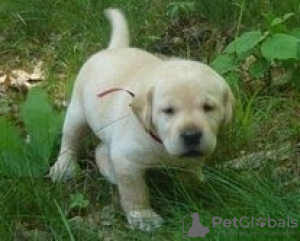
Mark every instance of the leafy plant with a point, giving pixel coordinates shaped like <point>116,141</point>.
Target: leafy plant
<point>29,155</point>
<point>260,52</point>
<point>78,201</point>
<point>181,8</point>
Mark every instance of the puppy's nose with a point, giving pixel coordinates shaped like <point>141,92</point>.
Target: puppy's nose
<point>191,138</point>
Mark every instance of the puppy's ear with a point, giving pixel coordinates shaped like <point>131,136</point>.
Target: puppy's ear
<point>228,104</point>
<point>142,107</point>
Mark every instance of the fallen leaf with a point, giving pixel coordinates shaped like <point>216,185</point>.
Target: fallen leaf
<point>4,83</point>
<point>19,79</point>
<point>38,73</point>
<point>3,78</point>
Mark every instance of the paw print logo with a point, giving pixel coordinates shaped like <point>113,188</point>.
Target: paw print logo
<point>260,222</point>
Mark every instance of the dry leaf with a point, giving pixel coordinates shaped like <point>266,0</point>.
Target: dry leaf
<point>4,83</point>
<point>19,79</point>
<point>38,73</point>
<point>3,79</point>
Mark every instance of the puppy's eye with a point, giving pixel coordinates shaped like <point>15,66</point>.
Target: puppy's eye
<point>208,108</point>
<point>169,111</point>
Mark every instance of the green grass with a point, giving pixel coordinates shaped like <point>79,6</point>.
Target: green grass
<point>64,34</point>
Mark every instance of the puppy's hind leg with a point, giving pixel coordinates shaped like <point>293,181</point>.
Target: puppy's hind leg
<point>73,130</point>
<point>104,163</point>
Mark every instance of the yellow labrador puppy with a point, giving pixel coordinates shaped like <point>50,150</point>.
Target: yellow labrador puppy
<point>147,113</point>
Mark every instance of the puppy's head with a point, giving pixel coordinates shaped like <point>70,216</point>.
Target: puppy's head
<point>185,106</point>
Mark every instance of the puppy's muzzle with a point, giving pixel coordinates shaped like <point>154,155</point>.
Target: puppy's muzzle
<point>191,141</point>
<point>191,138</point>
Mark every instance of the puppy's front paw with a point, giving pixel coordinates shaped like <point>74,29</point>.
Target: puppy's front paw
<point>145,220</point>
<point>62,170</point>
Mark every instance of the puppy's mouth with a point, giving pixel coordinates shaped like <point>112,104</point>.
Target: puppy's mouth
<point>191,153</point>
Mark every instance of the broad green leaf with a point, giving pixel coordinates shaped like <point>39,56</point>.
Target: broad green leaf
<point>42,124</point>
<point>244,43</point>
<point>295,32</point>
<point>259,67</point>
<point>288,16</point>
<point>281,47</point>
<point>280,20</point>
<point>10,140</point>
<point>224,63</point>
<point>234,80</point>
<point>277,21</point>
<point>13,160</point>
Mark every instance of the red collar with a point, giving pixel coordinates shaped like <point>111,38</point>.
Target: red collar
<point>155,137</point>
<point>104,93</point>
<point>112,90</point>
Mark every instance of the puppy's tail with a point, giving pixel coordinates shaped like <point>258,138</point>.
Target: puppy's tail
<point>120,32</point>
